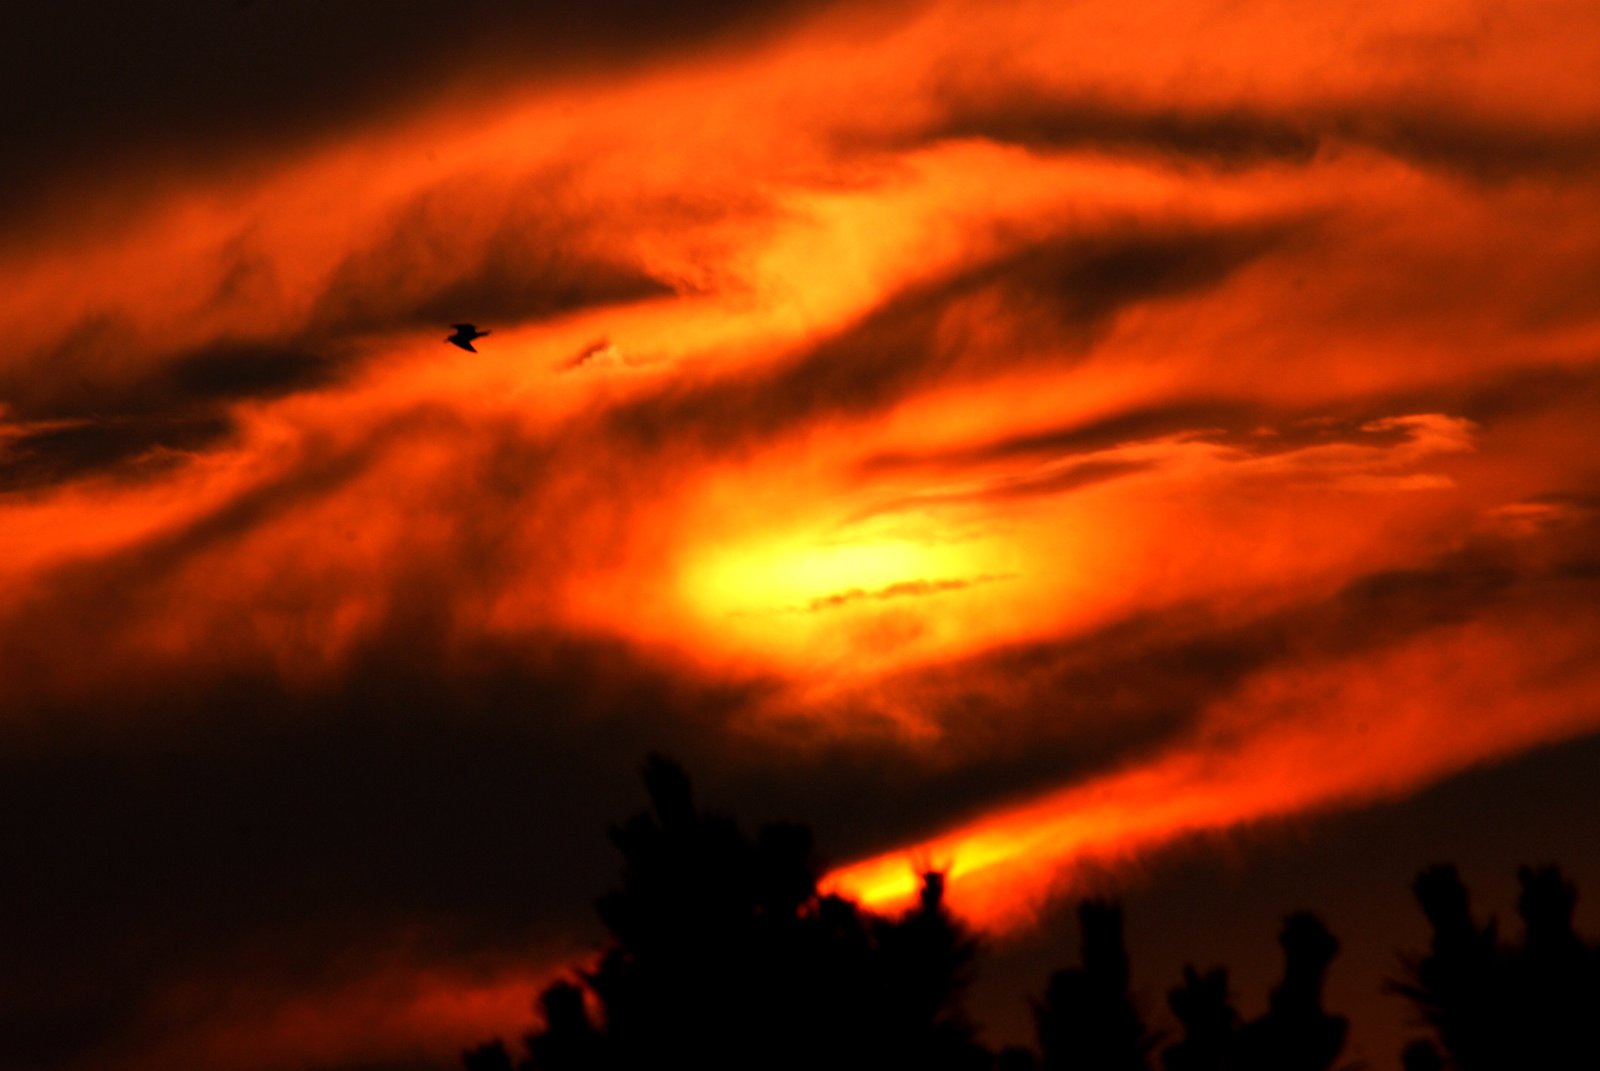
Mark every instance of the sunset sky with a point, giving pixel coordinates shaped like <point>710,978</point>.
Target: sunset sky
<point>1147,446</point>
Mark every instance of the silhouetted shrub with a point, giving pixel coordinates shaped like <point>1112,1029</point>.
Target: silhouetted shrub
<point>1088,1018</point>
<point>1296,1034</point>
<point>1492,1005</point>
<point>1421,1055</point>
<point>1209,1023</point>
<point>724,955</point>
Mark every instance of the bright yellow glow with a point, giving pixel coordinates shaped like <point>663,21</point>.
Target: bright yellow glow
<point>810,597</point>
<point>790,578</point>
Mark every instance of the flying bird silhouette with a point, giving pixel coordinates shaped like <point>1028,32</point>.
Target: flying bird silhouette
<point>464,335</point>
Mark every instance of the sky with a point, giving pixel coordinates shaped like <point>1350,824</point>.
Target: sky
<point>1145,447</point>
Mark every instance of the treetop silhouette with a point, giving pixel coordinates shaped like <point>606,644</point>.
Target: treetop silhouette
<point>1491,1004</point>
<point>723,954</point>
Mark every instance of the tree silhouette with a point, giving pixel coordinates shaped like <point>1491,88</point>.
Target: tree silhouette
<point>1458,986</point>
<point>1088,1020</point>
<point>1209,1022</point>
<point>724,955</point>
<point>490,1056</point>
<point>1555,975</point>
<point>1296,1034</point>
<point>1492,1005</point>
<point>1421,1055</point>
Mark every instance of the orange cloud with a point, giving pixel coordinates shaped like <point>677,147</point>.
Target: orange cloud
<point>1351,731</point>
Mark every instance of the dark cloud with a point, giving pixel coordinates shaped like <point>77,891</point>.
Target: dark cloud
<point>229,373</point>
<point>1017,721</point>
<point>1058,295</point>
<point>598,350</point>
<point>103,370</point>
<point>1086,437</point>
<point>107,398</point>
<point>195,86</point>
<point>1232,137</point>
<point>93,604</point>
<point>62,452</point>
<point>1010,723</point>
<point>1483,150</point>
<point>1056,480</point>
<point>902,590</point>
<point>1066,458</point>
<point>440,259</point>
<point>245,825</point>
<point>1476,147</point>
<point>87,417</point>
<point>1519,392</point>
<point>1246,426</point>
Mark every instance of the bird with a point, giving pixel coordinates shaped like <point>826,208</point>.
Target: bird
<point>464,335</point>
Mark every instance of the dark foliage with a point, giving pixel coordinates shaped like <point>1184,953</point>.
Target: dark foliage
<point>725,955</point>
<point>1088,1019</point>
<point>1295,1034</point>
<point>1493,1005</point>
<point>1209,1022</point>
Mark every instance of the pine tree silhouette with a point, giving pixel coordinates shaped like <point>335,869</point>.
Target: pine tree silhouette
<point>490,1056</point>
<point>1209,1022</point>
<point>1088,1020</point>
<point>1555,976</point>
<point>1296,1034</point>
<point>569,1041</point>
<point>1457,987</point>
<point>1491,1005</point>
<point>725,956</point>
<point>1421,1055</point>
